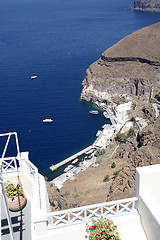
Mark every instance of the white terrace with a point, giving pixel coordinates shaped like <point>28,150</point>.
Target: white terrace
<point>137,218</point>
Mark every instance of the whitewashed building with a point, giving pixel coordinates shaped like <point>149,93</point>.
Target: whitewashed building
<point>137,218</point>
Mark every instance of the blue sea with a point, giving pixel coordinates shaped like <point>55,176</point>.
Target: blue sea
<point>56,40</point>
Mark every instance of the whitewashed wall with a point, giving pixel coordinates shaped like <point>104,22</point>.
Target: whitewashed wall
<point>148,193</point>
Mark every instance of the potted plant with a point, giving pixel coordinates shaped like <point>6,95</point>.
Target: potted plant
<point>15,196</point>
<point>102,229</point>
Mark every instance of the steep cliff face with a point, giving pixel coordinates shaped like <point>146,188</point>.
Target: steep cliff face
<point>142,153</point>
<point>131,66</point>
<point>153,5</point>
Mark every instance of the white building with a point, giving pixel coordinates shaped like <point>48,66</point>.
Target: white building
<point>137,218</point>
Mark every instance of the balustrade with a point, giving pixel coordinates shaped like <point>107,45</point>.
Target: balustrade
<point>87,213</point>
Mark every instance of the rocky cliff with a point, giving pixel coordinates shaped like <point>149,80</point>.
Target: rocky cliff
<point>149,5</point>
<point>131,66</point>
<point>145,151</point>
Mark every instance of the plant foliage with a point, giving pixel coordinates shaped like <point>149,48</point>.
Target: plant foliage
<point>106,178</point>
<point>121,138</point>
<point>131,132</point>
<point>102,229</point>
<point>100,152</point>
<point>12,190</point>
<point>113,165</point>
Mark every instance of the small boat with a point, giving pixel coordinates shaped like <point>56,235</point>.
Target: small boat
<point>47,120</point>
<point>74,161</point>
<point>33,77</point>
<point>98,133</point>
<point>105,114</point>
<point>69,167</point>
<point>90,151</point>
<point>95,112</point>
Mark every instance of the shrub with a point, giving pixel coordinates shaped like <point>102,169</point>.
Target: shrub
<point>133,119</point>
<point>102,229</point>
<point>115,174</point>
<point>113,165</point>
<point>100,152</point>
<point>131,133</point>
<point>133,106</point>
<point>106,178</point>
<point>120,100</point>
<point>121,137</point>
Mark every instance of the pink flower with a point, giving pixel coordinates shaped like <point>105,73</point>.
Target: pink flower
<point>101,232</point>
<point>91,228</point>
<point>107,219</point>
<point>86,223</point>
<point>107,226</point>
<point>97,238</point>
<point>96,234</point>
<point>101,226</point>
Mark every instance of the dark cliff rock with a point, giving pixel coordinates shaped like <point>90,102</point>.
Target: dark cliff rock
<point>131,66</point>
<point>149,5</point>
<point>144,152</point>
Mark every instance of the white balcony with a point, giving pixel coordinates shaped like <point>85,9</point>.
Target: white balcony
<point>136,218</point>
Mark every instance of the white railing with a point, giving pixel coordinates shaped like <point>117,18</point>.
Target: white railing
<point>32,169</point>
<point>10,164</point>
<point>87,213</point>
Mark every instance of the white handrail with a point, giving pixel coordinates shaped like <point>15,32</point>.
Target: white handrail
<point>8,164</point>
<point>87,213</point>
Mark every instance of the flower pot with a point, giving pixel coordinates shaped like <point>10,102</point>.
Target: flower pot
<point>17,203</point>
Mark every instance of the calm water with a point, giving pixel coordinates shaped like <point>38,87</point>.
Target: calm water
<point>56,40</point>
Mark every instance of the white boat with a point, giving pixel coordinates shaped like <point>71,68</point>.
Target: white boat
<point>33,77</point>
<point>74,161</point>
<point>95,112</point>
<point>98,133</point>
<point>47,120</point>
<point>105,114</point>
<point>69,167</point>
<point>90,151</point>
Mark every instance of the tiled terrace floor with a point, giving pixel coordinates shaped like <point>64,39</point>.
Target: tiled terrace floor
<point>129,227</point>
<point>21,223</point>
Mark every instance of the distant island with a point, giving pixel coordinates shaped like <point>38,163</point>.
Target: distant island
<point>147,5</point>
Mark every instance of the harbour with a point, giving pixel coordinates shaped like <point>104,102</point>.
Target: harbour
<point>73,157</point>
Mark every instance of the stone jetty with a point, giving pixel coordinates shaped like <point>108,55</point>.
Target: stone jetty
<point>58,165</point>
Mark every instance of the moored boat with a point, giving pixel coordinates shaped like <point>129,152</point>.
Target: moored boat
<point>95,112</point>
<point>74,161</point>
<point>105,114</point>
<point>98,133</point>
<point>69,167</point>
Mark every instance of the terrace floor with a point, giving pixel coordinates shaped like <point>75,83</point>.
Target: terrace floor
<point>129,227</point>
<point>21,223</point>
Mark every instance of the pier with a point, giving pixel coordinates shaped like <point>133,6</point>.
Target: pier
<point>58,165</point>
